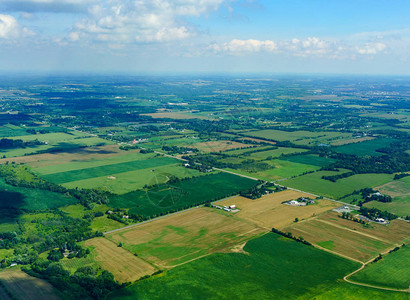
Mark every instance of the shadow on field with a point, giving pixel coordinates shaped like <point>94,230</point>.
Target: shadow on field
<point>10,204</point>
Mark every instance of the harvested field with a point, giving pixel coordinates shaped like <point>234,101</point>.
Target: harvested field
<point>73,155</point>
<point>269,211</point>
<point>216,146</point>
<point>186,236</point>
<point>122,264</point>
<point>25,287</point>
<point>350,238</point>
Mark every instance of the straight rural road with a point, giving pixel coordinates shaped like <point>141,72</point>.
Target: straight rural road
<point>253,178</point>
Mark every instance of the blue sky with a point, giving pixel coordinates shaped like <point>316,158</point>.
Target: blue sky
<point>179,36</point>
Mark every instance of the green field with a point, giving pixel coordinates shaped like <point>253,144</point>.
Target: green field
<point>31,199</point>
<point>78,210</point>
<point>365,148</point>
<point>392,271</point>
<point>272,267</point>
<point>91,162</point>
<point>56,141</point>
<point>300,137</point>
<point>275,153</point>
<point>11,130</point>
<point>125,182</point>
<point>192,191</point>
<point>106,170</point>
<point>399,190</point>
<point>314,184</point>
<point>312,160</point>
<point>280,169</point>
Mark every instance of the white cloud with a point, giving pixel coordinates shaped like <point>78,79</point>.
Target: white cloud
<point>127,21</point>
<point>11,29</point>
<point>371,48</point>
<point>308,47</point>
<point>236,46</point>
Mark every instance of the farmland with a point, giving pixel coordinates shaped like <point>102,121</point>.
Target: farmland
<point>349,238</point>
<point>189,192</point>
<point>276,152</point>
<point>366,147</point>
<point>300,137</point>
<point>279,169</point>
<point>23,286</point>
<point>125,266</point>
<point>110,179</point>
<point>269,211</point>
<point>216,146</point>
<point>269,268</point>
<point>54,142</point>
<point>399,190</point>
<point>315,184</point>
<point>391,271</point>
<point>185,236</point>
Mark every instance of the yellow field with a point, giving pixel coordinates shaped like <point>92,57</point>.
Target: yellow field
<point>269,211</point>
<point>56,158</point>
<point>186,236</point>
<point>349,238</point>
<point>122,264</point>
<point>23,286</point>
<point>216,146</point>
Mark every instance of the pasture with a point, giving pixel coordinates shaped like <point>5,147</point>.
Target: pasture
<point>270,267</point>
<point>269,211</point>
<point>178,195</point>
<point>366,147</point>
<point>393,271</point>
<point>23,286</point>
<point>186,236</point>
<point>349,238</point>
<point>313,183</point>
<point>399,190</point>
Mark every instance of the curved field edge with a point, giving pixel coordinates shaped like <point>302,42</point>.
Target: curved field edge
<point>390,272</point>
<point>270,268</point>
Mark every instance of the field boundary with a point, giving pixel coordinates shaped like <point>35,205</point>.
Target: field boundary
<point>346,278</point>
